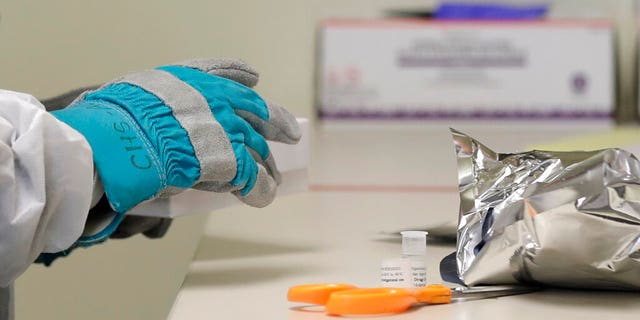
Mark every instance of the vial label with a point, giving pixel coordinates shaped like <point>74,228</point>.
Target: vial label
<point>396,273</point>
<point>419,275</point>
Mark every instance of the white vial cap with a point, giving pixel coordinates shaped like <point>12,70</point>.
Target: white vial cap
<point>414,243</point>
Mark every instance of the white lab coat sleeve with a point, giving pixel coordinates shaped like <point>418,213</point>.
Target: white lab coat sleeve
<point>46,183</point>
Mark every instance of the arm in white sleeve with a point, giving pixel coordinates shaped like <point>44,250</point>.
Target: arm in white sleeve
<point>46,183</point>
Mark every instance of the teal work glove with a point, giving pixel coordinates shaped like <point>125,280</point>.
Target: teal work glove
<point>195,124</point>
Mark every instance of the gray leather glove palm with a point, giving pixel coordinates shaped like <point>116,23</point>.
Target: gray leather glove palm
<point>280,126</point>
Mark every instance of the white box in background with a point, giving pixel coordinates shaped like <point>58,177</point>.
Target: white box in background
<point>423,69</point>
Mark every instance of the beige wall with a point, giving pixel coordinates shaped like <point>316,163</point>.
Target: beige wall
<point>51,46</point>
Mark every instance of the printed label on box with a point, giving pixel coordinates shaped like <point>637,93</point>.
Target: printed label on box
<point>422,69</point>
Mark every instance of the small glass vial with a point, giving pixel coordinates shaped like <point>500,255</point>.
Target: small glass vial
<point>414,249</point>
<point>408,271</point>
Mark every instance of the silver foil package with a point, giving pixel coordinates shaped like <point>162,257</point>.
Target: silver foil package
<point>568,219</point>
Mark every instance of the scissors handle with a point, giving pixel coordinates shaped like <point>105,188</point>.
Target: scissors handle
<point>434,294</point>
<point>370,301</point>
<point>342,298</point>
<point>316,293</point>
<point>384,300</point>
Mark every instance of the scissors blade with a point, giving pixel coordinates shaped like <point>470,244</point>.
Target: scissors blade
<point>485,292</point>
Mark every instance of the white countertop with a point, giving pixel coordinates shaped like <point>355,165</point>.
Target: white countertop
<point>249,258</point>
<point>341,230</point>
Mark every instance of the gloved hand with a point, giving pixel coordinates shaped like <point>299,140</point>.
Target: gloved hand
<point>151,227</point>
<point>195,124</point>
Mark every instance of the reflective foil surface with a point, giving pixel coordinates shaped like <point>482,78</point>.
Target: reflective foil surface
<point>569,219</point>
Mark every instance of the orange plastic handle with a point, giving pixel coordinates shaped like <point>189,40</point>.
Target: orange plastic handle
<point>385,300</point>
<point>370,301</point>
<point>434,294</point>
<point>316,293</point>
<point>344,299</point>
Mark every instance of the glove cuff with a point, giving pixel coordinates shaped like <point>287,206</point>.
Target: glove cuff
<point>120,149</point>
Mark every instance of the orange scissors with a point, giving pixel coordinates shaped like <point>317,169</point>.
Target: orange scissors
<point>345,299</point>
